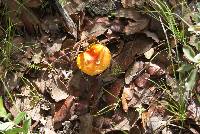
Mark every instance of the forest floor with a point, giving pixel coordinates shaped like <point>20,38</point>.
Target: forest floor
<point>146,81</point>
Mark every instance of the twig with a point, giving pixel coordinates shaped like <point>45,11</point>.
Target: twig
<point>68,20</point>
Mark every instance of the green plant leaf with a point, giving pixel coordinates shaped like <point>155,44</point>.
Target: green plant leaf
<point>14,131</point>
<point>191,80</point>
<point>6,126</point>
<point>3,112</point>
<point>189,53</point>
<point>26,125</point>
<point>198,6</point>
<point>19,117</point>
<point>185,68</point>
<point>197,58</point>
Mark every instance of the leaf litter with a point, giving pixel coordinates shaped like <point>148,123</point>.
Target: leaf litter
<point>61,99</point>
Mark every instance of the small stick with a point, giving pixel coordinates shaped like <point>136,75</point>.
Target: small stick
<point>68,20</point>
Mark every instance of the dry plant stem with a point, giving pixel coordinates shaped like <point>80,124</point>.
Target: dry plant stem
<point>68,20</point>
<point>169,47</point>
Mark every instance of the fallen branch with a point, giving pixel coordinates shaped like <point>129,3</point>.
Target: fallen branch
<point>68,20</point>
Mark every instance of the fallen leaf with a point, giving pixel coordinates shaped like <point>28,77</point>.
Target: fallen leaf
<point>149,53</point>
<point>152,35</point>
<point>123,125</point>
<point>156,123</point>
<point>124,102</point>
<point>98,29</point>
<point>73,6</point>
<point>3,112</point>
<point>193,111</point>
<point>135,130</point>
<point>67,43</point>
<point>132,3</point>
<point>12,80</point>
<point>142,81</point>
<point>127,95</point>
<point>52,84</point>
<point>113,93</point>
<point>134,27</point>
<point>33,3</point>
<point>162,59</point>
<point>134,70</point>
<point>102,7</point>
<point>139,45</point>
<point>56,46</point>
<point>49,131</point>
<point>62,110</point>
<point>154,70</point>
<point>137,21</point>
<point>37,57</point>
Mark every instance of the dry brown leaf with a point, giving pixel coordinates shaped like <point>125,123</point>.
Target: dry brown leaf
<point>194,111</point>
<point>134,70</point>
<point>56,46</point>
<point>33,3</point>
<point>162,59</point>
<point>28,18</point>
<point>127,95</point>
<point>62,110</point>
<point>30,21</point>
<point>137,21</point>
<point>142,81</point>
<point>37,57</point>
<point>67,43</point>
<point>135,130</point>
<point>73,6</point>
<point>134,27</point>
<point>123,125</point>
<point>100,7</point>
<point>133,15</point>
<point>12,80</point>
<point>149,53</point>
<point>114,91</point>
<point>154,69</point>
<point>52,84</point>
<point>138,46</point>
<point>124,102</point>
<point>154,36</point>
<point>132,3</point>
<point>145,118</point>
<point>97,30</point>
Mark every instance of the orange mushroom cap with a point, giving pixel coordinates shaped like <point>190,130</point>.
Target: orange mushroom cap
<point>94,60</point>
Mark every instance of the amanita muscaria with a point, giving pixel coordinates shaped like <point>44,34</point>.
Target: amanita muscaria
<point>94,60</point>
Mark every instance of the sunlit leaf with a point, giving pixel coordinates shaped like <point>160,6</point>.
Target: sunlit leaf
<point>185,68</point>
<point>197,57</point>
<point>3,112</point>
<point>14,131</point>
<point>19,117</point>
<point>189,53</point>
<point>26,126</point>
<point>191,80</point>
<point>6,126</point>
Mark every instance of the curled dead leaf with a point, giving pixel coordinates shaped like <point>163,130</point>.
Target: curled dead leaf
<point>114,91</point>
<point>135,69</point>
<point>132,3</point>
<point>62,109</point>
<point>33,3</point>
<point>142,81</point>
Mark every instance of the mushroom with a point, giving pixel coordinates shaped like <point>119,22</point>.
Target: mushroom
<point>94,60</point>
